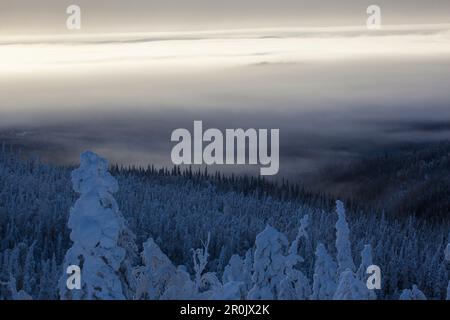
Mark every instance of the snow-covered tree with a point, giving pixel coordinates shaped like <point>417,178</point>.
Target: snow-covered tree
<point>248,270</point>
<point>366,261</point>
<point>295,285</point>
<point>175,207</point>
<point>200,258</point>
<point>324,279</point>
<point>159,279</point>
<point>154,278</point>
<point>180,287</point>
<point>127,240</point>
<point>237,276</point>
<point>350,288</point>
<point>29,274</point>
<point>96,226</point>
<point>233,290</point>
<point>268,264</point>
<point>412,294</point>
<point>234,271</point>
<point>343,245</point>
<point>447,252</point>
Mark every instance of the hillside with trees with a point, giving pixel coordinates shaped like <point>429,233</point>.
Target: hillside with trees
<point>151,234</point>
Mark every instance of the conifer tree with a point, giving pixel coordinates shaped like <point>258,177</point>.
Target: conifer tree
<point>324,279</point>
<point>343,245</point>
<point>268,264</point>
<point>350,288</point>
<point>96,225</point>
<point>412,294</point>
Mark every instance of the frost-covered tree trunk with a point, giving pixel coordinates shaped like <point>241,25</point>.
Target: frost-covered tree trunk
<point>343,245</point>
<point>324,279</point>
<point>96,227</point>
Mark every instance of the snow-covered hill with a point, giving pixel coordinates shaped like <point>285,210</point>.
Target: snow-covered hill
<point>253,245</point>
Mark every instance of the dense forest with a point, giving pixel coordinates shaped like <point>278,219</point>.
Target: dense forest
<point>172,234</point>
<point>411,179</point>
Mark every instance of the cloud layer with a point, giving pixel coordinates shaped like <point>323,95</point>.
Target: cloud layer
<point>334,94</point>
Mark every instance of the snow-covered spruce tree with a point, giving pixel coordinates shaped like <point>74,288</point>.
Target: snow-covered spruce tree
<point>238,270</point>
<point>237,277</point>
<point>413,294</point>
<point>343,245</point>
<point>234,271</point>
<point>127,240</point>
<point>29,277</point>
<point>159,279</point>
<point>248,269</point>
<point>96,227</point>
<point>295,285</point>
<point>154,276</point>
<point>324,279</point>
<point>268,264</point>
<point>350,288</point>
<point>229,291</point>
<point>366,261</point>
<point>181,286</point>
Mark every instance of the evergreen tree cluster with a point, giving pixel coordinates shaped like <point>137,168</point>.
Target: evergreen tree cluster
<point>142,230</point>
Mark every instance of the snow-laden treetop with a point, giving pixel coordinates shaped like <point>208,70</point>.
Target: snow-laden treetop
<point>93,175</point>
<point>95,218</point>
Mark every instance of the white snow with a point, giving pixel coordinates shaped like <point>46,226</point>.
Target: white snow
<point>96,223</point>
<point>343,246</point>
<point>413,294</point>
<point>350,288</point>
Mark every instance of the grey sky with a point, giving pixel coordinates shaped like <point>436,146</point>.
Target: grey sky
<point>325,112</point>
<point>334,94</point>
<point>24,16</point>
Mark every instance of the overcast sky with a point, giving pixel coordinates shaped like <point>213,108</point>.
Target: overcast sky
<point>38,16</point>
<point>334,94</point>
